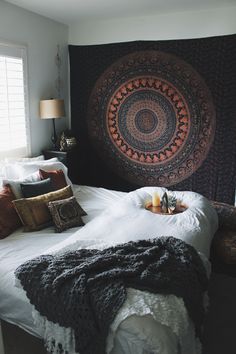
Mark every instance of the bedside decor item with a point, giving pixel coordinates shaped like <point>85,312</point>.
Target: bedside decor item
<point>67,141</point>
<point>166,206</point>
<point>164,203</point>
<point>156,199</point>
<point>52,109</point>
<point>168,203</point>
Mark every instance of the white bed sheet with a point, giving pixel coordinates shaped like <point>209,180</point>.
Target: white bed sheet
<point>101,203</point>
<point>126,219</point>
<point>19,247</point>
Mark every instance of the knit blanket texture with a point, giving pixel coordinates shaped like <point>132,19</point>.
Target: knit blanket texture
<point>84,289</point>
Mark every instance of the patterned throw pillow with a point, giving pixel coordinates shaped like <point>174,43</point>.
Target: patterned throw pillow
<point>226,214</point>
<point>57,177</point>
<point>9,220</point>
<point>66,213</point>
<point>34,189</point>
<point>34,213</point>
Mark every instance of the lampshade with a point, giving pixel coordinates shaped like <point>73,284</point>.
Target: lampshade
<point>53,108</point>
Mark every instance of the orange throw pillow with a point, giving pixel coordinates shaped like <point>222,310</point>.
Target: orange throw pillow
<point>9,220</point>
<point>57,178</point>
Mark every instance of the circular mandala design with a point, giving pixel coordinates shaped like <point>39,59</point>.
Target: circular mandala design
<point>146,121</point>
<point>152,118</point>
<point>67,211</point>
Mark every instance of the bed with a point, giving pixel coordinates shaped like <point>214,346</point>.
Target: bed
<point>146,323</point>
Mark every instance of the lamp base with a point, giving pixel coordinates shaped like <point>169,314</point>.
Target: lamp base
<point>54,135</point>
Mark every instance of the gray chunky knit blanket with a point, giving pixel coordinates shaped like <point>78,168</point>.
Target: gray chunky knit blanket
<point>84,289</point>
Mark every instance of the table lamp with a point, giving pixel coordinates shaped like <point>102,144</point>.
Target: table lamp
<point>52,109</point>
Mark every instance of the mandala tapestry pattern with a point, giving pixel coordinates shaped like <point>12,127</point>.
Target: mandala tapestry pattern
<point>151,117</point>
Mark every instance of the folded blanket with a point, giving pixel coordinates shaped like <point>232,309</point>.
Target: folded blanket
<point>84,289</point>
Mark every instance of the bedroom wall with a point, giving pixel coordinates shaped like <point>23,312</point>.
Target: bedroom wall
<point>41,36</point>
<point>156,27</point>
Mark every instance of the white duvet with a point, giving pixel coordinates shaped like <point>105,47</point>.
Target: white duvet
<point>128,220</point>
<point>146,323</point>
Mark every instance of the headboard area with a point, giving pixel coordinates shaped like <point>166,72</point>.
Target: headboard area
<point>159,113</point>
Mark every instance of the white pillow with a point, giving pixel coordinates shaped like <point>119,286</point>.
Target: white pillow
<point>15,183</point>
<point>23,159</point>
<point>30,168</point>
<point>15,170</point>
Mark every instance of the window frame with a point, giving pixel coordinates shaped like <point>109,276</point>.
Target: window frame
<point>16,50</point>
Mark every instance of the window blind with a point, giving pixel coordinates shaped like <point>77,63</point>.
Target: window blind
<point>14,132</point>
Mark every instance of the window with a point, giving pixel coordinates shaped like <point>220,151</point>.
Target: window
<point>14,127</point>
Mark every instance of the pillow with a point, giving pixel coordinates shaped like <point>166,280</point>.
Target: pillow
<point>37,188</point>
<point>16,170</point>
<point>34,213</point>
<point>23,159</point>
<point>46,166</point>
<point>15,183</point>
<point>65,213</point>
<point>9,220</point>
<point>226,214</point>
<point>57,178</point>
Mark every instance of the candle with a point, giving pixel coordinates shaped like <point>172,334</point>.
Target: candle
<point>155,199</point>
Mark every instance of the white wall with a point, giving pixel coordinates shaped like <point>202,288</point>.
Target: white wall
<point>41,36</point>
<point>160,27</point>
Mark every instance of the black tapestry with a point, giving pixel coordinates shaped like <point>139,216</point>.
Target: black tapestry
<point>159,113</point>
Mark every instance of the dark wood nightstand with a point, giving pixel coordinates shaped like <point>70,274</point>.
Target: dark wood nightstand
<point>61,155</point>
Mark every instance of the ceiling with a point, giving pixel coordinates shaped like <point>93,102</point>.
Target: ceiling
<point>72,11</point>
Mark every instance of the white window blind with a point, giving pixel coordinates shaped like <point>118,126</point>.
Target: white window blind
<point>14,132</point>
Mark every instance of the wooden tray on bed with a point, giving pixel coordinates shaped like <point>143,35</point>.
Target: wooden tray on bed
<point>157,210</point>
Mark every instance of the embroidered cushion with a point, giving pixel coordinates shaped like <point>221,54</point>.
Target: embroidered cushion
<point>34,213</point>
<point>66,213</point>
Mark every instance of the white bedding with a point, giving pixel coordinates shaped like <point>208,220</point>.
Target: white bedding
<point>115,217</point>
